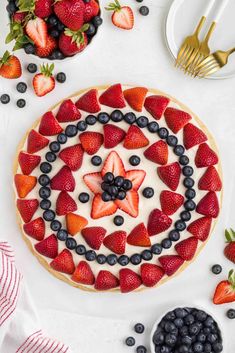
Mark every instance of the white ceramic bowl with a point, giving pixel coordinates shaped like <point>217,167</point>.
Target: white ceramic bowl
<point>152,346</point>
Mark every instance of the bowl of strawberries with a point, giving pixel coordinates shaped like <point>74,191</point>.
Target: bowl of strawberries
<point>53,29</point>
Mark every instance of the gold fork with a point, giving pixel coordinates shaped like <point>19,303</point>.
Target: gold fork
<point>213,63</point>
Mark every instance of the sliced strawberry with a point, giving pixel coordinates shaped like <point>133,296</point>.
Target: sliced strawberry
<point>28,162</point>
<point>130,204</point>
<point>170,175</point>
<point>63,180</point>
<point>101,208</point>
<point>91,141</point>
<point>139,236</point>
<point>83,274</point>
<point>72,156</point>
<point>113,97</point>
<point>135,97</point>
<point>151,274</point>
<point>156,105</point>
<point>113,164</point>
<point>186,248</point>
<point>176,119</point>
<point>75,223</point>
<point>65,204</point>
<point>89,102</point>
<point>158,222</point>
<point>123,16</point>
<point>200,228</point>
<point>225,290</point>
<point>36,29</point>
<point>93,181</point>
<point>193,136</point>
<point>27,208</point>
<point>136,177</point>
<point>170,202</point>
<point>68,112</point>
<point>94,236</point>
<point>36,142</point>
<point>35,229</point>
<point>157,152</point>
<point>64,262</point>
<point>10,66</point>
<point>49,126</point>
<point>205,156</point>
<point>44,52</point>
<point>229,250</point>
<point>105,281</point>
<point>48,247</point>
<point>209,205</point>
<point>135,138</point>
<point>129,280</point>
<point>116,242</point>
<point>24,184</point>
<point>44,82</point>
<point>210,180</point>
<point>170,263</point>
<point>113,135</point>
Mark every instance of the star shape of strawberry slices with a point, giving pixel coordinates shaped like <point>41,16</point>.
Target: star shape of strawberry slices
<point>130,204</point>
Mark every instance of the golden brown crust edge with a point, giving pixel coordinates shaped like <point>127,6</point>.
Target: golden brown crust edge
<point>61,276</point>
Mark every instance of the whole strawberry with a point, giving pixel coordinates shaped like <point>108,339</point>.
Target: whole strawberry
<point>73,42</point>
<point>43,8</point>
<point>70,13</point>
<point>225,290</point>
<point>10,66</point>
<point>229,250</point>
<point>91,10</point>
<point>44,82</point>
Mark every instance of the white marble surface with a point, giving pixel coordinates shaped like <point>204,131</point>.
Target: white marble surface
<point>139,57</point>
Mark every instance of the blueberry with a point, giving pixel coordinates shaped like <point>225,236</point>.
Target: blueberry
<point>144,10</point>
<point>163,133</point>
<point>153,126</point>
<point>55,225</point>
<point>134,160</point>
<point>54,146</point>
<point>218,347</point>
<point>80,249</point>
<point>165,349</point>
<point>118,221</point>
<point>156,249</point>
<point>71,243</point>
<point>139,328</point>
<point>50,157</point>
<point>184,160</point>
<point>101,259</point>
<point>57,55</point>
<point>113,190</point>
<point>97,21</point>
<point>60,26</point>
<point>91,119</point>
<point>44,192</point>
<point>172,140</point>
<point>29,48</point>
<point>52,20</point>
<point>108,178</point>
<point>130,341</point>
<point>44,180</point>
<point>188,182</point>
<point>45,167</point>
<point>212,338</point>
<point>185,216</point>
<point>183,331</point>
<point>96,160</point>
<point>183,349</point>
<point>123,260</point>
<point>106,197</point>
<point>127,185</point>
<point>104,186</point>
<point>197,347</point>
<point>142,121</point>
<point>166,243</point>
<point>201,315</point>
<point>45,204</point>
<point>54,33</point>
<point>189,319</point>
<point>83,197</point>
<point>147,255</point>
<point>179,150</point>
<point>187,171</point>
<point>190,205</point>
<point>90,255</point>
<point>49,215</point>
<point>180,312</point>
<point>169,326</point>
<point>118,181</point>
<point>194,329</point>
<point>216,269</point>
<point>209,321</point>
<point>81,125</point>
<point>130,118</point>
<point>231,314</point>
<point>180,226</point>
<point>62,138</point>
<point>116,116</point>
<point>32,68</point>
<point>158,338</point>
<point>201,337</point>
<point>91,30</point>
<point>135,259</point>
<point>11,8</point>
<point>141,349</point>
<point>121,195</point>
<point>5,98</point>
<point>170,339</point>
<point>148,192</point>
<point>207,347</point>
<point>21,87</point>
<point>178,322</point>
<point>190,194</point>
<point>112,259</point>
<point>61,77</point>
<point>21,103</point>
<point>170,316</point>
<point>139,0</point>
<point>62,234</point>
<point>71,130</point>
<point>103,118</point>
<point>174,235</point>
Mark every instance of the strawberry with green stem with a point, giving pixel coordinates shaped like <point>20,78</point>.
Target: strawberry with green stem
<point>225,290</point>
<point>122,16</point>
<point>73,42</point>
<point>10,66</point>
<point>229,250</point>
<point>44,82</point>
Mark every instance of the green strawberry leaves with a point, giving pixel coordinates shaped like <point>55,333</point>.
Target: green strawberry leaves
<point>231,278</point>
<point>229,235</point>
<point>17,33</point>
<point>114,6</point>
<point>47,70</point>
<point>77,36</point>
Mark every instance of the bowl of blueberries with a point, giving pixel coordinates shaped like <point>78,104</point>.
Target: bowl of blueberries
<point>52,30</point>
<point>186,330</point>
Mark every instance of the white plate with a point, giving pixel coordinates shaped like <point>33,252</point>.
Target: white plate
<point>182,19</point>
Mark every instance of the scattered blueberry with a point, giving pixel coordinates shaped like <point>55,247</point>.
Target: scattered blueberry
<point>118,221</point>
<point>216,269</point>
<point>123,260</point>
<point>45,204</point>
<point>80,250</point>
<point>156,249</point>
<point>185,216</point>
<point>153,126</point>
<point>127,185</point>
<point>184,160</point>
<point>62,138</point>
<point>112,259</point>
<point>231,313</point>
<point>190,194</point>
<point>135,259</point>
<point>188,182</point>
<point>174,235</point>
<point>55,225</point>
<point>142,121</point>
<point>44,180</point>
<point>187,171</point>
<point>49,215</point>
<point>61,77</point>
<point>180,225</point>
<point>21,103</point>
<point>21,87</point>
<point>148,192</point>
<point>134,160</point>
<point>5,98</point>
<point>54,146</point>
<point>130,118</point>
<point>163,133</point>
<point>103,118</point>
<point>32,68</point>
<point>96,160</point>
<point>50,157</point>
<point>71,243</point>
<point>90,255</point>
<point>141,349</point>
<point>101,259</point>
<point>139,328</point>
<point>45,167</point>
<point>179,150</point>
<point>83,197</point>
<point>116,116</point>
<point>147,255</point>
<point>71,130</point>
<point>166,243</point>
<point>190,205</point>
<point>81,125</point>
<point>130,341</point>
<point>172,140</point>
<point>62,234</point>
<point>91,119</point>
<point>144,10</point>
<point>44,192</point>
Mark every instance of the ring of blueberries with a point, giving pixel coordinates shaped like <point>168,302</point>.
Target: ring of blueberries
<point>142,122</point>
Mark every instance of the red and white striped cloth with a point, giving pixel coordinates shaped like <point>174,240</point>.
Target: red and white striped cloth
<point>19,325</point>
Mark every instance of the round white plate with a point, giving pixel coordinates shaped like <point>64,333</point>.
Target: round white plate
<point>182,19</point>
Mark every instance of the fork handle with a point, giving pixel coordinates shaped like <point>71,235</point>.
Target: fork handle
<point>220,10</point>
